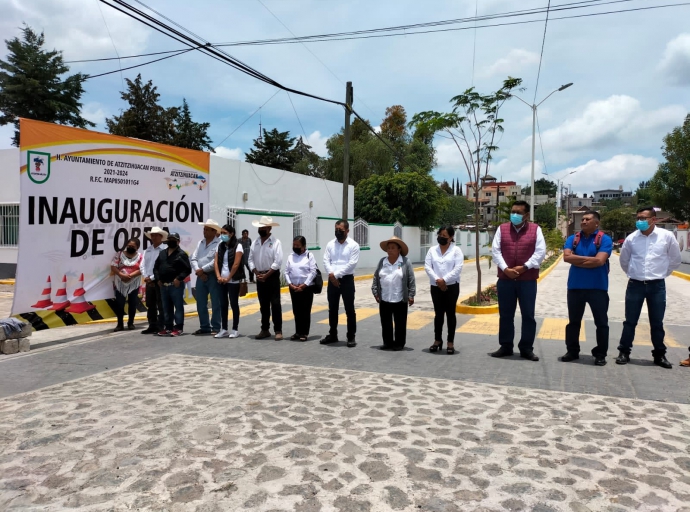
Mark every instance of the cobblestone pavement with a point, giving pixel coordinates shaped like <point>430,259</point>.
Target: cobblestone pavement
<point>190,433</point>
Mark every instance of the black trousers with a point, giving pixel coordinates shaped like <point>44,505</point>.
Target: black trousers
<point>230,297</point>
<point>131,301</point>
<point>154,306</point>
<point>269,302</point>
<point>301,307</point>
<point>393,313</point>
<point>444,306</point>
<point>346,290</point>
<point>598,301</point>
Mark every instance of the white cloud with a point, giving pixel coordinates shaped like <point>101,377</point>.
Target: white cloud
<point>95,113</point>
<point>6,134</point>
<point>621,170</point>
<point>675,64</point>
<point>618,119</point>
<point>232,154</point>
<point>318,143</point>
<point>516,60</point>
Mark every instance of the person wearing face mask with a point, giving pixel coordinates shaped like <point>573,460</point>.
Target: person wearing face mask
<point>265,260</point>
<point>443,264</point>
<point>202,262</point>
<point>648,257</point>
<point>300,271</point>
<point>518,250</point>
<point>170,271</point>
<point>340,260</point>
<point>126,267</point>
<point>229,269</point>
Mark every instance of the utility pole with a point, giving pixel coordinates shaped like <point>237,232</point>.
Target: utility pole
<point>346,147</point>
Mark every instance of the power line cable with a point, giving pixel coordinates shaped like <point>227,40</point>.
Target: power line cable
<point>312,53</point>
<point>138,66</point>
<point>541,56</point>
<point>122,78</point>
<point>298,119</point>
<point>123,57</point>
<point>248,118</point>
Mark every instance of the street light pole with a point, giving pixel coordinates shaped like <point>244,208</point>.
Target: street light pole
<point>534,107</point>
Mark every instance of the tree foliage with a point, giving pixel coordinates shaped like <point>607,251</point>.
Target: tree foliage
<point>670,186</point>
<point>472,125</point>
<point>455,211</point>
<point>542,187</point>
<point>545,215</point>
<point>273,149</point>
<point>408,197</point>
<point>32,86</point>
<point>307,162</point>
<point>146,119</point>
<point>620,222</point>
<point>553,238</point>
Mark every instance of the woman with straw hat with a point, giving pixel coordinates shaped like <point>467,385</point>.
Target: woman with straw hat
<point>394,289</point>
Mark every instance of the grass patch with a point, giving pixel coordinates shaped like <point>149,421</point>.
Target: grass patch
<point>548,262</point>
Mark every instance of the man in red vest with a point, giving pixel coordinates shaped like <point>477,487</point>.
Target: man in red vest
<point>518,249</point>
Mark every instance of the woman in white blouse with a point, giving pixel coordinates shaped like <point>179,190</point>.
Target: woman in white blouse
<point>443,265</point>
<point>394,289</point>
<point>300,271</point>
<point>229,272</point>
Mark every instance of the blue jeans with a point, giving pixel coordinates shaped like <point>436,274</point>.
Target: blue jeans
<point>654,292</point>
<point>173,306</point>
<point>203,289</point>
<point>598,301</point>
<point>510,293</point>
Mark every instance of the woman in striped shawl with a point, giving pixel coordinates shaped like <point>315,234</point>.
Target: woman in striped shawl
<point>126,267</point>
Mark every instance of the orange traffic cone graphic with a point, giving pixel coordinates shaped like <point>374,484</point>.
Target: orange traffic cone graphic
<point>61,301</point>
<point>45,297</point>
<point>79,304</point>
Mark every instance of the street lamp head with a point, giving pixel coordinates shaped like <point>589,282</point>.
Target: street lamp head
<point>563,87</point>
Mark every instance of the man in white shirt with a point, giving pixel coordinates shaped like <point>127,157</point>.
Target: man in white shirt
<point>648,257</point>
<point>518,250</point>
<point>340,260</point>
<point>265,260</point>
<point>154,303</point>
<point>203,265</point>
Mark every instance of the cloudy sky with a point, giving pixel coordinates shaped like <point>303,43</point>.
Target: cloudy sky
<point>631,73</point>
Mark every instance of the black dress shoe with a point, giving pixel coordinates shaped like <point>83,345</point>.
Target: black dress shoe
<point>531,356</point>
<point>570,356</point>
<point>351,343</point>
<point>398,348</point>
<point>501,352</point>
<point>623,358</point>
<point>599,361</point>
<point>385,347</point>
<point>328,339</point>
<point>149,331</point>
<point>663,362</point>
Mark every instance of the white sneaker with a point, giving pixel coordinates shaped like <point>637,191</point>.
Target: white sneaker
<point>234,334</point>
<point>221,334</point>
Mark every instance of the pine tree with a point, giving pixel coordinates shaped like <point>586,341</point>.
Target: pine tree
<point>189,134</point>
<point>31,85</point>
<point>274,149</point>
<point>452,188</point>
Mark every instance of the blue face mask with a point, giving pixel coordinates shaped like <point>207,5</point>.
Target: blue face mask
<point>642,225</point>
<point>516,219</point>
<point>225,238</point>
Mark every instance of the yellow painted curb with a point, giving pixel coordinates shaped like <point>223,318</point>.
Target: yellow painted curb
<point>548,270</point>
<point>9,282</point>
<point>491,310</point>
<point>681,275</point>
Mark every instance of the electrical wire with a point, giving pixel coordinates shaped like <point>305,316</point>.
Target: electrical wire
<point>137,66</point>
<point>312,53</point>
<point>541,56</point>
<point>123,57</point>
<point>298,119</point>
<point>122,78</point>
<point>250,116</point>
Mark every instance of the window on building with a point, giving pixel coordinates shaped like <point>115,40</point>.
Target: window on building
<point>9,225</point>
<point>501,194</point>
<point>487,194</point>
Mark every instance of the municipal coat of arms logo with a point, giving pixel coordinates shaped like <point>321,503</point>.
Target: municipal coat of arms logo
<point>38,166</point>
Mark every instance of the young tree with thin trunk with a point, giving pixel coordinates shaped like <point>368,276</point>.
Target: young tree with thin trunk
<point>472,125</point>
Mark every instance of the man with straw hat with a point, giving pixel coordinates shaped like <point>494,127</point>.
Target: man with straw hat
<point>203,261</point>
<point>265,260</point>
<point>394,289</point>
<point>154,304</point>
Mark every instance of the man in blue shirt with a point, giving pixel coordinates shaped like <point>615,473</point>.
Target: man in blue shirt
<point>588,283</point>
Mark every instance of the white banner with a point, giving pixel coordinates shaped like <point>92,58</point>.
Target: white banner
<point>83,195</point>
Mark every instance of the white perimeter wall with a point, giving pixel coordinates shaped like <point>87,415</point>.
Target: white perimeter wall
<point>9,192</point>
<point>683,239</point>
